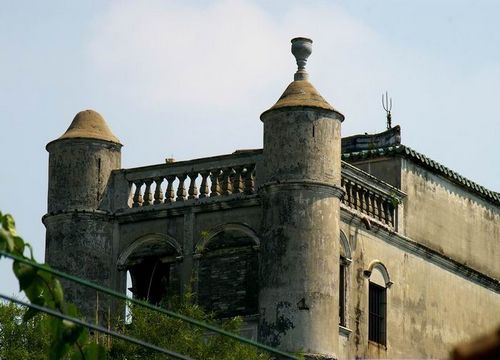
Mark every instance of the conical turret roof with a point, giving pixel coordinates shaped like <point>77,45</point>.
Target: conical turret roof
<point>301,93</point>
<point>89,124</point>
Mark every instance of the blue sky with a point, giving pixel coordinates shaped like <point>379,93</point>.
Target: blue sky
<point>190,79</point>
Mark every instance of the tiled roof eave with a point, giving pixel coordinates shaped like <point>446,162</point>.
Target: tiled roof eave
<point>428,163</point>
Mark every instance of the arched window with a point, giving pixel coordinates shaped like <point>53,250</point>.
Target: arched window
<point>228,272</point>
<point>345,260</point>
<point>378,284</point>
<point>152,262</point>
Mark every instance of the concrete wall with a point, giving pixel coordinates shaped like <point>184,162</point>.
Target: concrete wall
<point>81,244</point>
<point>386,169</point>
<point>443,215</point>
<point>450,220</point>
<point>79,170</point>
<point>429,309</point>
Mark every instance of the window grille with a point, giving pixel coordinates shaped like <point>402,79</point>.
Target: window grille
<point>342,293</point>
<point>377,314</point>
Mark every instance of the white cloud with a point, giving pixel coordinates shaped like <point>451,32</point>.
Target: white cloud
<point>164,53</point>
<point>228,59</point>
<point>221,55</point>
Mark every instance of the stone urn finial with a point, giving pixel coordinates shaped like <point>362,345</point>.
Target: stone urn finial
<point>301,49</point>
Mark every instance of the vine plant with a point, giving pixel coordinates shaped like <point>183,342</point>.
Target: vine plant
<point>68,340</point>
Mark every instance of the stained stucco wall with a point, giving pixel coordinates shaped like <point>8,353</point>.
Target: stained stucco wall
<point>443,215</point>
<point>450,220</point>
<point>429,309</point>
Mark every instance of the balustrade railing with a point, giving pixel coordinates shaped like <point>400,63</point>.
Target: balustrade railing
<point>369,195</point>
<point>235,174</point>
<point>187,180</point>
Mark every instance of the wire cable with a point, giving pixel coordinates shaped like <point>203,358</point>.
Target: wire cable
<point>147,305</point>
<point>101,329</point>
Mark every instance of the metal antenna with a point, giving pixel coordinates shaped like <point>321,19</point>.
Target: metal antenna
<point>387,105</point>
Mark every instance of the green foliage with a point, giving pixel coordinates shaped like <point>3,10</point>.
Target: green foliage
<point>20,340</point>
<point>179,336</point>
<point>66,339</point>
<point>27,334</point>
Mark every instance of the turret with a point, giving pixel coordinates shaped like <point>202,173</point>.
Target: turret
<point>300,191</point>
<point>79,229</point>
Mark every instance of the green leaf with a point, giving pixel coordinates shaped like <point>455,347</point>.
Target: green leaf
<point>37,291</point>
<point>58,347</point>
<point>26,245</point>
<point>57,292</point>
<point>18,245</point>
<point>29,314</point>
<point>6,238</point>
<point>45,275</point>
<point>25,274</point>
<point>84,335</point>
<point>71,310</point>
<point>9,224</point>
<point>71,331</point>
<point>94,351</point>
<point>57,350</point>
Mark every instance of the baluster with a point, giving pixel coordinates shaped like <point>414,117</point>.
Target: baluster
<point>376,205</point>
<point>353,194</point>
<point>137,199</point>
<point>193,190</point>
<point>170,193</point>
<point>343,186</point>
<point>227,186</point>
<point>348,194</point>
<point>158,191</point>
<point>390,214</point>
<point>130,200</point>
<point>361,197</point>
<point>357,194</point>
<point>215,178</point>
<point>370,208</point>
<point>181,190</point>
<point>148,195</point>
<point>237,181</point>
<point>366,195</point>
<point>204,190</point>
<point>383,211</point>
<point>249,181</point>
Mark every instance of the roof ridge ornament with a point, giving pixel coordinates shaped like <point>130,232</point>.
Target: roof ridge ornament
<point>387,105</point>
<point>301,49</point>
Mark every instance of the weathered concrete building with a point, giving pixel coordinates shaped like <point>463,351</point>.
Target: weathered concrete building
<point>337,248</point>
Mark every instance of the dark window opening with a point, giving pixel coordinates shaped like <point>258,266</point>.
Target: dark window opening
<point>377,314</point>
<point>151,280</point>
<point>342,293</point>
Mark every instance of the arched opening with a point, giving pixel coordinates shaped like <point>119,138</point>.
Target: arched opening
<point>228,272</point>
<point>152,262</point>
<point>379,282</point>
<point>344,262</point>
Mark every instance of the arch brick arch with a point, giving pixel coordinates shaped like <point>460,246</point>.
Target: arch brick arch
<point>380,267</point>
<point>210,235</point>
<point>227,268</point>
<point>153,263</point>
